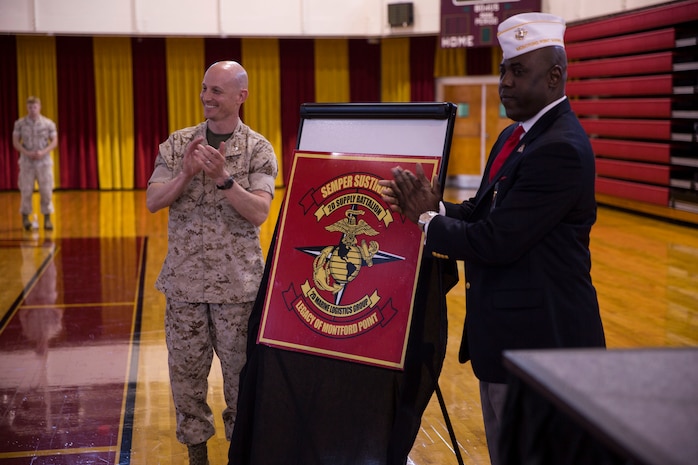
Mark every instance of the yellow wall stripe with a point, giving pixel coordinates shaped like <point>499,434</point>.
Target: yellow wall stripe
<point>185,71</point>
<point>395,70</point>
<point>332,71</point>
<point>497,57</point>
<point>260,57</point>
<point>449,62</point>
<point>114,109</point>
<point>37,76</point>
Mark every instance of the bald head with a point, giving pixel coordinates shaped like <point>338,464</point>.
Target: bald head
<point>223,91</point>
<point>233,70</point>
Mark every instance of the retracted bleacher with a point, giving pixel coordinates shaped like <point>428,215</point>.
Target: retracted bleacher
<point>633,82</point>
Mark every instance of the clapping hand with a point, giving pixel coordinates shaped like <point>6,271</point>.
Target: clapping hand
<point>411,194</point>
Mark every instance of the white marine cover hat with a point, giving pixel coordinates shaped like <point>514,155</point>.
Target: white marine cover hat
<point>526,32</point>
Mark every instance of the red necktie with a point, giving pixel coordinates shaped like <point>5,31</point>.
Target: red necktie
<point>508,146</point>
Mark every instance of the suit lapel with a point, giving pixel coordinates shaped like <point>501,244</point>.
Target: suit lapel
<point>530,136</point>
<point>540,127</point>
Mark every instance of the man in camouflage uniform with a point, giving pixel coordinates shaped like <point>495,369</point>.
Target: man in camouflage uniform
<point>34,137</point>
<point>217,178</point>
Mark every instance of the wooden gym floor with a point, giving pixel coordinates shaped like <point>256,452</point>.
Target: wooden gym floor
<point>83,363</point>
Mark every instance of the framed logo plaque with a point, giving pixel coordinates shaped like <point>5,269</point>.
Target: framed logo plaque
<point>344,268</point>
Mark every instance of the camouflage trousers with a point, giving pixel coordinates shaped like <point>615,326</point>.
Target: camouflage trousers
<point>193,332</point>
<point>31,172</point>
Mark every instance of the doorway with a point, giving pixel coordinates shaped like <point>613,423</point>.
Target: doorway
<point>480,119</point>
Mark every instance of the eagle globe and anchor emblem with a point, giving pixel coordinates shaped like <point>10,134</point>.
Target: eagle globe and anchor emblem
<point>335,266</point>
<point>341,263</point>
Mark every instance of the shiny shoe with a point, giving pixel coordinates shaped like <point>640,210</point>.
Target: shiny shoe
<point>26,223</point>
<point>48,226</point>
<point>198,454</point>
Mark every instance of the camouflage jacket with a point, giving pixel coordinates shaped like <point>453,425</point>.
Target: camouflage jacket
<point>214,254</point>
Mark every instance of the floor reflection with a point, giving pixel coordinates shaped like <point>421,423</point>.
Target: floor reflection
<point>65,352</point>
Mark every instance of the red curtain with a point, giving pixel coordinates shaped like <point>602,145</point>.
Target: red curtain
<point>422,56</point>
<point>297,63</point>
<point>222,50</point>
<point>478,61</point>
<point>149,104</point>
<point>8,112</point>
<point>364,71</point>
<point>76,113</point>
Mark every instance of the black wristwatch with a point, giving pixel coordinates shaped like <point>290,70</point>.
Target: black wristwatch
<point>227,184</point>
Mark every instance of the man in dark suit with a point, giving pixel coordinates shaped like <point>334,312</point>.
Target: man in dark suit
<point>524,237</point>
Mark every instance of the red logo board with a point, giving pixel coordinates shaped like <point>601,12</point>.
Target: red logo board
<point>345,267</point>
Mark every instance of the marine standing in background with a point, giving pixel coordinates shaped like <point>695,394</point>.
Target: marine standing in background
<point>525,235</point>
<point>217,178</point>
<point>34,137</point>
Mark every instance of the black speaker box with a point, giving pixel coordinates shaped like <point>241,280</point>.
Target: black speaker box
<point>401,14</point>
